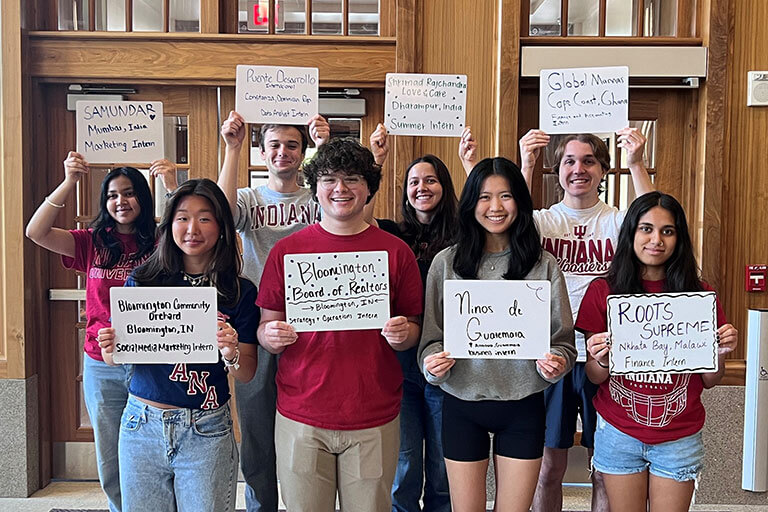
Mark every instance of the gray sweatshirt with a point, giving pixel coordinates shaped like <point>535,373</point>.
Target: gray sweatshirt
<point>494,379</point>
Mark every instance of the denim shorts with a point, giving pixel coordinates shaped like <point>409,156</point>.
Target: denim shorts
<point>617,453</point>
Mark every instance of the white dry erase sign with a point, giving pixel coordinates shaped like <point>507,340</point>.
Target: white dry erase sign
<point>496,319</point>
<point>663,333</point>
<point>584,100</point>
<point>337,291</point>
<point>420,104</point>
<point>164,324</point>
<point>114,132</point>
<point>276,94</point>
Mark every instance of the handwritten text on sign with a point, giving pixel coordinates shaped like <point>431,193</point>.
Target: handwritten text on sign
<point>337,291</point>
<point>164,324</point>
<point>271,94</point>
<point>584,100</point>
<point>663,333</point>
<point>419,104</point>
<point>496,319</point>
<point>120,131</point>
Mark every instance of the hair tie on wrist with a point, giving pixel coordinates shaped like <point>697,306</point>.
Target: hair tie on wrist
<point>601,365</point>
<point>48,200</point>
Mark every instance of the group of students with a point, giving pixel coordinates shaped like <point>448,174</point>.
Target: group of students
<point>384,419</point>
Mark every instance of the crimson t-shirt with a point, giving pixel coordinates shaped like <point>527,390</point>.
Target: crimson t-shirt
<point>653,408</point>
<point>342,380</point>
<point>98,281</point>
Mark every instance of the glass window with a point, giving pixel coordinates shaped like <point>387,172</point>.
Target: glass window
<point>363,17</point>
<point>584,17</point>
<point>291,16</point>
<point>660,18</point>
<point>544,18</point>
<point>73,14</point>
<point>110,15</point>
<point>148,16</point>
<point>621,18</point>
<point>253,16</point>
<point>326,16</point>
<point>183,16</point>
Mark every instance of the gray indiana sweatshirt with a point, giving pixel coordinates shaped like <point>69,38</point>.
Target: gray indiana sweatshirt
<point>495,379</point>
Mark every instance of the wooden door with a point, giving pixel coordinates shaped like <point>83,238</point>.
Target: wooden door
<point>191,138</point>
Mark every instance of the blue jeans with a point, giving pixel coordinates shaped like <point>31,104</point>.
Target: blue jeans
<point>256,405</point>
<point>420,427</point>
<point>177,459</point>
<point>105,389</point>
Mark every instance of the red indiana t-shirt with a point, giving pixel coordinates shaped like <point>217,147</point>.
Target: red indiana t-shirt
<point>653,408</point>
<point>342,380</point>
<point>98,281</point>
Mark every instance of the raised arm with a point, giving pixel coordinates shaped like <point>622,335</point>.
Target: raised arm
<point>530,148</point>
<point>380,148</point>
<point>467,150</point>
<point>40,228</point>
<point>633,141</point>
<point>233,132</point>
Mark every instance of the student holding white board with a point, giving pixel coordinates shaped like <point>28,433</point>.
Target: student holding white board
<point>648,442</point>
<point>497,239</point>
<point>177,446</point>
<point>119,239</point>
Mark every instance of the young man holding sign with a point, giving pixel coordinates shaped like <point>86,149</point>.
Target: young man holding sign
<point>263,216</point>
<point>570,230</point>
<point>338,391</point>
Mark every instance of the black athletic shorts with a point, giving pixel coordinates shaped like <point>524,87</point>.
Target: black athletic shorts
<point>517,425</point>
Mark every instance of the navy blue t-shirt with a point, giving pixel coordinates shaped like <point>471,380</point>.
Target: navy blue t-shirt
<point>197,386</point>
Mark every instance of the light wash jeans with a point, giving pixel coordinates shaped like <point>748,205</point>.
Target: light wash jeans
<point>256,405</point>
<point>177,459</point>
<point>420,461</point>
<point>106,392</point>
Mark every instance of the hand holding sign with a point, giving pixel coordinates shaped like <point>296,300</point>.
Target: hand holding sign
<point>226,340</point>
<point>727,339</point>
<point>379,144</point>
<point>599,346</point>
<point>319,130</point>
<point>468,150</point>
<point>531,145</point>
<point>277,335</point>
<point>439,364</point>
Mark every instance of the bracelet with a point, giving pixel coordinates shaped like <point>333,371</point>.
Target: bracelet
<point>48,200</point>
<point>601,365</point>
<point>234,362</point>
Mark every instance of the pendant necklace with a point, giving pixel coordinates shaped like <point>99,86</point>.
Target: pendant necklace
<point>195,280</point>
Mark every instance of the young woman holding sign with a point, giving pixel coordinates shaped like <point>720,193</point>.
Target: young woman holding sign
<point>648,439</point>
<point>120,238</point>
<point>496,240</point>
<point>177,448</point>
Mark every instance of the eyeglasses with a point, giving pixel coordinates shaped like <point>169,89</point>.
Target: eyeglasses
<point>330,181</point>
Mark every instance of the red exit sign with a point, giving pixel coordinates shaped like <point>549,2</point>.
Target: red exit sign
<point>258,14</point>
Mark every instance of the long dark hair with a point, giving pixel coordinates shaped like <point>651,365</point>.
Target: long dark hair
<point>523,236</point>
<point>107,244</point>
<point>165,264</point>
<point>625,273</point>
<point>442,228</point>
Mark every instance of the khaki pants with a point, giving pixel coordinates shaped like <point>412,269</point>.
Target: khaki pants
<point>313,463</point>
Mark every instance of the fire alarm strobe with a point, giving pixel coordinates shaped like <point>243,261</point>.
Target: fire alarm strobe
<point>755,278</point>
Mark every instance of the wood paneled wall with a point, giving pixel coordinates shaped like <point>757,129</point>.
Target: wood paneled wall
<point>477,39</point>
<point>14,361</point>
<point>744,237</point>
